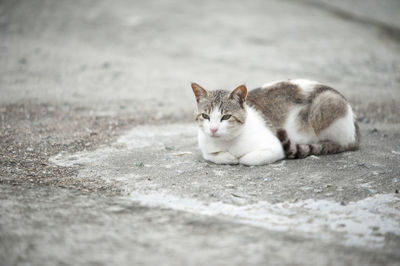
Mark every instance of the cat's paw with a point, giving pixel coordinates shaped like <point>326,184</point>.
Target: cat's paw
<point>260,157</point>
<point>221,158</point>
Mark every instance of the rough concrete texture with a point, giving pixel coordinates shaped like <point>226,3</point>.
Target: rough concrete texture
<point>98,157</point>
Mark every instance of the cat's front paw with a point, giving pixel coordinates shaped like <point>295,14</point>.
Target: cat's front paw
<point>221,158</point>
<point>261,157</point>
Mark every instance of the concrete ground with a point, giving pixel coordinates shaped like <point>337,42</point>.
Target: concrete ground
<point>98,156</point>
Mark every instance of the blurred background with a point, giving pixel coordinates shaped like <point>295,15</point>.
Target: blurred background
<point>142,55</point>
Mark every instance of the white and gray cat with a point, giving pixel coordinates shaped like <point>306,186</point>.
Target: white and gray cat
<point>291,119</point>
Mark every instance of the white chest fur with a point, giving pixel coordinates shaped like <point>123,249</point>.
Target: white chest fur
<point>255,143</point>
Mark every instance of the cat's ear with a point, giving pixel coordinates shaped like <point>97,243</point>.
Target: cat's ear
<point>198,91</point>
<point>239,94</point>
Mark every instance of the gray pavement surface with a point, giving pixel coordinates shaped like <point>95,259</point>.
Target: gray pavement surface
<point>98,156</point>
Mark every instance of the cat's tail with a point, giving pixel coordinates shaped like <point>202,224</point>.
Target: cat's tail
<point>294,151</point>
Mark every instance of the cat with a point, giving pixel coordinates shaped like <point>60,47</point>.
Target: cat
<point>285,119</point>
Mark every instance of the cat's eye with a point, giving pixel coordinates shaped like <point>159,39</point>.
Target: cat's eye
<point>225,117</point>
<point>205,116</point>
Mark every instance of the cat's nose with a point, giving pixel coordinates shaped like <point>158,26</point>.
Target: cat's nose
<point>213,130</point>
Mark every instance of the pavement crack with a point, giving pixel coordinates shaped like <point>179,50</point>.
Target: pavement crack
<point>390,31</point>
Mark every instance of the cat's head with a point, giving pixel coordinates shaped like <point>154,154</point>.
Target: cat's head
<point>220,113</point>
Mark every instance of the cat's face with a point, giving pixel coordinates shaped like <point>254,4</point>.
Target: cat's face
<point>220,114</point>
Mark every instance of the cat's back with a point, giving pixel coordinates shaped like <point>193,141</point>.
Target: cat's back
<point>276,100</point>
